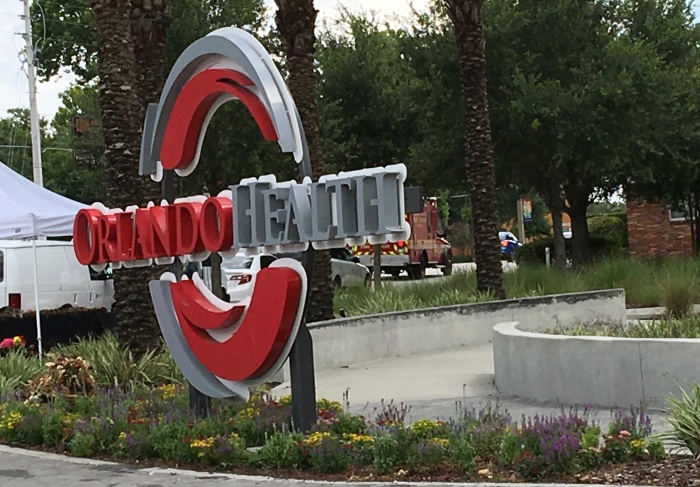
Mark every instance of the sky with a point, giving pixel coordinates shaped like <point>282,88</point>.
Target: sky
<point>14,87</point>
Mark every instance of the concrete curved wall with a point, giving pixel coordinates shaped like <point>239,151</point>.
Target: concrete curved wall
<point>348,341</point>
<point>595,371</point>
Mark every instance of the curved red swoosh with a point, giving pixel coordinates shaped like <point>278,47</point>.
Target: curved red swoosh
<point>195,308</point>
<point>192,105</point>
<point>261,335</point>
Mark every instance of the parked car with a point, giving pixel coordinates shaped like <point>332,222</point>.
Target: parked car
<point>62,280</point>
<point>509,244</point>
<point>346,270</point>
<point>238,272</point>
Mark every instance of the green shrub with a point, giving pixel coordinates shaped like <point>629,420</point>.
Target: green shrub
<point>509,449</point>
<point>329,455</point>
<point>678,294</point>
<point>535,253</point>
<point>684,418</point>
<point>386,453</point>
<point>29,431</point>
<point>169,442</point>
<point>610,228</point>
<point>115,365</point>
<point>52,428</point>
<point>282,451</point>
<point>82,444</point>
<point>17,369</point>
<point>463,453</point>
<point>429,452</point>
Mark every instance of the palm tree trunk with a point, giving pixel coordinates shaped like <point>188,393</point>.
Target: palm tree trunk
<point>119,100</point>
<point>469,33</point>
<point>296,23</point>
<point>149,26</point>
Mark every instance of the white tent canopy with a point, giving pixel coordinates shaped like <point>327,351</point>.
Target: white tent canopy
<point>28,210</point>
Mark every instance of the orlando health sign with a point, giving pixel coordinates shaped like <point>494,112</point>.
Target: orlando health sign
<point>225,348</point>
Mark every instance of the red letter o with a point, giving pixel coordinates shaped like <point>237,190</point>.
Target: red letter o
<point>216,224</point>
<point>85,236</point>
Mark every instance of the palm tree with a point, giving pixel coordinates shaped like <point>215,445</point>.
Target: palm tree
<point>296,23</point>
<point>121,123</point>
<point>469,34</point>
<point>149,26</point>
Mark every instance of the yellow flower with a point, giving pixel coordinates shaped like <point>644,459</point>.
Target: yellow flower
<point>122,436</point>
<point>637,444</point>
<point>315,439</point>
<point>329,405</point>
<point>285,400</point>
<point>439,442</point>
<point>167,391</point>
<point>425,427</point>
<point>11,421</point>
<point>359,440</point>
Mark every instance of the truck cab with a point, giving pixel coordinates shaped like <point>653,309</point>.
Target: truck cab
<point>425,248</point>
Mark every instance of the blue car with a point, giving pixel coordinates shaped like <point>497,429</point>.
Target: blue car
<point>509,244</point>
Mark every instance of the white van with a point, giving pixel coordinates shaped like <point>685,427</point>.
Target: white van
<point>62,279</point>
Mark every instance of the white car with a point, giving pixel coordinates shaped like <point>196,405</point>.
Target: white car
<point>347,270</point>
<point>237,273</point>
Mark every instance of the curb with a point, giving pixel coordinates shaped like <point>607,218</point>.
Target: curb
<point>170,472</point>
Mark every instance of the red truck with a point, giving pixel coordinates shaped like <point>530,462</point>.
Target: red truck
<point>424,248</point>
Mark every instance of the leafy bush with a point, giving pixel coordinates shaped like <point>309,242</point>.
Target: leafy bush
<point>386,453</point>
<point>535,253</point>
<point>684,418</point>
<point>17,369</point>
<point>463,453</point>
<point>115,365</point>
<point>282,451</point>
<point>610,228</point>
<point>678,294</point>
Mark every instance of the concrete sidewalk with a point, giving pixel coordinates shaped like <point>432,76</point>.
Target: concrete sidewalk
<point>21,468</point>
<point>435,386</point>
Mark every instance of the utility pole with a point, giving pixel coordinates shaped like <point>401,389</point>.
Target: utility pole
<point>521,221</point>
<point>33,110</point>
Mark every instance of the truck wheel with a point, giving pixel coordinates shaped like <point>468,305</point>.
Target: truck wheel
<point>447,270</point>
<point>368,280</point>
<point>417,271</point>
<point>395,273</point>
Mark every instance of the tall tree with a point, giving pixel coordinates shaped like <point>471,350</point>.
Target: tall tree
<point>121,124</point>
<point>469,33</point>
<point>296,24</point>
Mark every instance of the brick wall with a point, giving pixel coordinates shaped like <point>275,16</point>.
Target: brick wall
<point>652,233</point>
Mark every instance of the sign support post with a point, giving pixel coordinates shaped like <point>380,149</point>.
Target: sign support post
<point>200,404</point>
<point>301,356</point>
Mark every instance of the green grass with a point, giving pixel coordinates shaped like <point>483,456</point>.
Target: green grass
<point>671,284</point>
<point>459,288</point>
<point>688,327</point>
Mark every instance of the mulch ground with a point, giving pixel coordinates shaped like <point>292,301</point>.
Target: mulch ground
<point>675,471</point>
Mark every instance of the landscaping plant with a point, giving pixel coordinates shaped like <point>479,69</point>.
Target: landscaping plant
<point>684,417</point>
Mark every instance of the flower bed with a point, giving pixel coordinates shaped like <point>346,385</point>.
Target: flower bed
<point>257,437</point>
